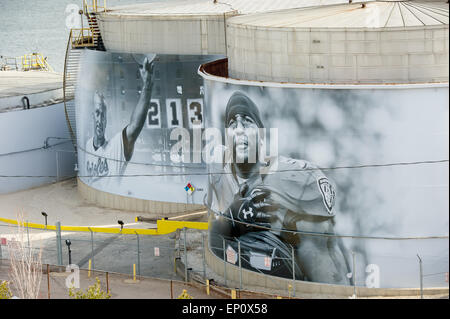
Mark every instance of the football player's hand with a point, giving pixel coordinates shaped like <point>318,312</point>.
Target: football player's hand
<point>256,208</point>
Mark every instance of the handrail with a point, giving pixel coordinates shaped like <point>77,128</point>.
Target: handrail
<point>34,61</point>
<point>6,65</point>
<point>65,95</point>
<point>93,8</point>
<point>80,39</point>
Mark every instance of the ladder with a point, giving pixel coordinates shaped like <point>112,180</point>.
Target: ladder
<point>79,39</point>
<point>71,69</point>
<point>89,37</point>
<point>93,25</point>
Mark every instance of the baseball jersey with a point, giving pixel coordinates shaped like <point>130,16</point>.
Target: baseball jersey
<point>107,160</point>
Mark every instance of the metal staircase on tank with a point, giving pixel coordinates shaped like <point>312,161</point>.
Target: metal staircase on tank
<point>79,39</point>
<point>91,14</point>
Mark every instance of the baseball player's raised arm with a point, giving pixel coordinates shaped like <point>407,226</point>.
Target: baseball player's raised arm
<point>137,121</point>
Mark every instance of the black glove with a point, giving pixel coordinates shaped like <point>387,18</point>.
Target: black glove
<point>254,208</point>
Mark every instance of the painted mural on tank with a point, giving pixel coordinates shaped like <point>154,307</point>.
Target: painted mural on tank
<point>127,106</point>
<point>308,182</point>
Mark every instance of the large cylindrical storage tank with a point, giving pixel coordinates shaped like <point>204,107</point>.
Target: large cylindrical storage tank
<point>183,35</point>
<point>35,146</point>
<point>319,175</point>
<point>182,27</point>
<point>345,168</point>
<point>374,42</point>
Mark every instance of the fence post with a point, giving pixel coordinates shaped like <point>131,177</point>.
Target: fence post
<point>28,236</point>
<point>138,255</point>
<point>185,257</point>
<point>240,265</point>
<point>48,281</point>
<point>293,271</point>
<point>203,254</point>
<point>421,277</point>
<point>92,246</point>
<point>354,273</point>
<point>224,262</point>
<point>57,165</point>
<point>107,282</point>
<point>58,244</point>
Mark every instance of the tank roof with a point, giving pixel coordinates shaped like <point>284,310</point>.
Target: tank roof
<point>209,7</point>
<point>13,83</point>
<point>42,88</point>
<point>375,14</point>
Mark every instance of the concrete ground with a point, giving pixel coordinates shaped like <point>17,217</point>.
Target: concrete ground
<point>62,203</point>
<point>114,253</point>
<point>108,252</point>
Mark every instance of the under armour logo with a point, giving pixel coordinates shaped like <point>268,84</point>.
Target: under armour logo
<point>248,212</point>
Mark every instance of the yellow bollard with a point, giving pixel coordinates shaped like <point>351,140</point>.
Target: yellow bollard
<point>134,272</point>
<point>207,287</point>
<point>233,294</point>
<point>289,289</point>
<point>90,265</point>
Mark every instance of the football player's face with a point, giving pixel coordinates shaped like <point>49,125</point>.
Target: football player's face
<point>99,117</point>
<point>243,131</point>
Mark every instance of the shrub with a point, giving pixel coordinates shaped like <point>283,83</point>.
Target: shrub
<point>93,292</point>
<point>5,293</point>
<point>185,295</point>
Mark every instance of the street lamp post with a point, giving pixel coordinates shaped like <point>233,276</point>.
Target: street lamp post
<point>45,216</point>
<point>68,243</point>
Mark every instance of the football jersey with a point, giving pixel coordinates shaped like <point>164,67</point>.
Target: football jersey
<point>107,160</point>
<point>294,185</point>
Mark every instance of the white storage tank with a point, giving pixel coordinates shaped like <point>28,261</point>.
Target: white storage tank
<point>181,27</point>
<point>373,42</point>
<point>35,146</point>
<point>183,35</point>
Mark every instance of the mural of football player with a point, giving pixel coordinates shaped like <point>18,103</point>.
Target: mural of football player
<point>109,157</point>
<point>258,209</point>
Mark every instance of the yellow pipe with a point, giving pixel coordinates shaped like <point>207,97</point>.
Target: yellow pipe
<point>90,265</point>
<point>134,272</point>
<point>163,227</point>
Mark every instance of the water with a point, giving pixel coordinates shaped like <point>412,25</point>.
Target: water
<point>28,26</point>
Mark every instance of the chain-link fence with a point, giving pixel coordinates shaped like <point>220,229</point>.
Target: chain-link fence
<point>144,255</point>
<point>185,256</point>
<point>230,265</point>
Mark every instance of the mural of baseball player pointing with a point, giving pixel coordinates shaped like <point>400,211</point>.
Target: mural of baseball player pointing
<point>109,157</point>
<point>267,204</point>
